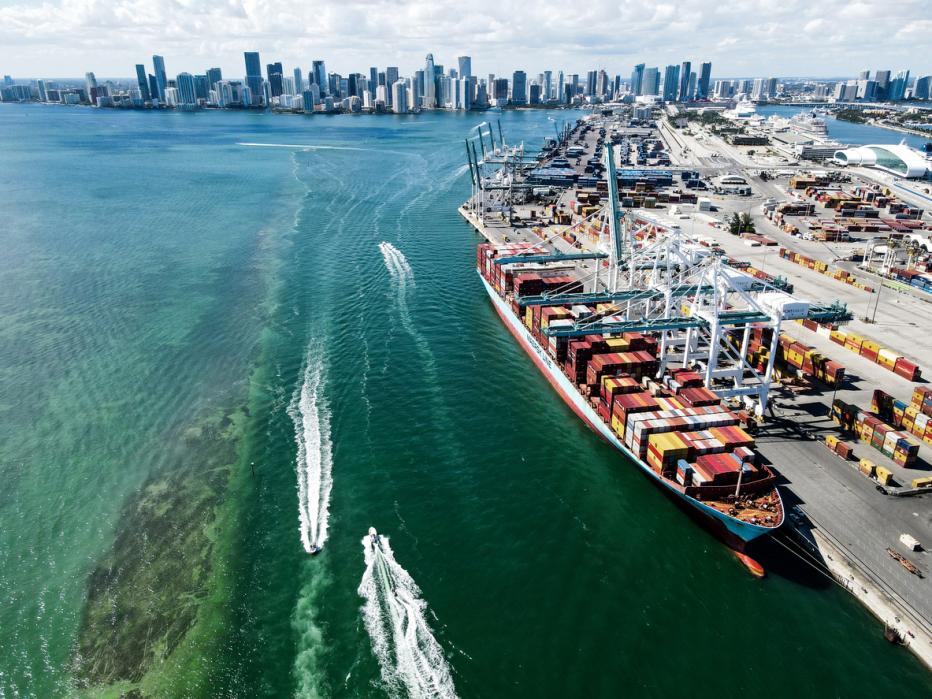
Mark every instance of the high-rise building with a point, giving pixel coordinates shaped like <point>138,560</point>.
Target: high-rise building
<point>882,78</point>
<point>898,86</point>
<point>202,87</point>
<point>373,81</point>
<point>142,82</point>
<point>43,92</point>
<point>430,86</point>
<point>923,88</point>
<point>153,87</point>
<point>161,80</point>
<point>253,77</point>
<point>602,86</point>
<point>274,73</point>
<point>671,83</point>
<point>90,85</point>
<point>464,63</point>
<point>391,77</point>
<point>705,77</point>
<point>637,79</point>
<point>864,75</point>
<point>651,83</point>
<point>298,81</point>
<point>318,77</point>
<point>691,89</point>
<point>214,75</point>
<point>683,92</point>
<point>547,86</point>
<point>590,83</point>
<point>519,87</point>
<point>185,85</point>
<point>399,97</point>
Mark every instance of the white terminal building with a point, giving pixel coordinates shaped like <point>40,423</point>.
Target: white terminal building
<point>900,160</point>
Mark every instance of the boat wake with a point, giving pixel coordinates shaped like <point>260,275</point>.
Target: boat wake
<point>403,276</point>
<point>311,417</point>
<point>411,661</point>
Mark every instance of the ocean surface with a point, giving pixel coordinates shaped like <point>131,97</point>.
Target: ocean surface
<point>226,338</point>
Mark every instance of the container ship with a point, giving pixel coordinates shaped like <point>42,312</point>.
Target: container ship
<point>673,428</point>
<point>619,346</point>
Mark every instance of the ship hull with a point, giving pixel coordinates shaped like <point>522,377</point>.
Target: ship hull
<point>734,532</point>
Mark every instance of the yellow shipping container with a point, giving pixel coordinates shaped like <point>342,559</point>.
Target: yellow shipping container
<point>667,442</point>
<point>922,482</point>
<point>528,316</point>
<point>866,466</point>
<point>618,344</point>
<point>618,428</point>
<point>831,441</point>
<point>870,345</point>
<point>883,475</point>
<point>837,335</point>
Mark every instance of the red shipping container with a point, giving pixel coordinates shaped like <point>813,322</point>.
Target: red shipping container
<point>907,369</point>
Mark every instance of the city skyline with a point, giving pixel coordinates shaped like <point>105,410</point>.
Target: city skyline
<point>748,39</point>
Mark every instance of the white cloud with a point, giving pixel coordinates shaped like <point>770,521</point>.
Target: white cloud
<point>741,38</point>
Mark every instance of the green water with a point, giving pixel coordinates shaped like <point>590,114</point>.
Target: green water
<point>164,295</point>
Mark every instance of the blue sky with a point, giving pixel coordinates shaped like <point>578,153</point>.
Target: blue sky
<point>742,38</point>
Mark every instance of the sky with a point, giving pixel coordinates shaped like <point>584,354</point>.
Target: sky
<point>742,38</point>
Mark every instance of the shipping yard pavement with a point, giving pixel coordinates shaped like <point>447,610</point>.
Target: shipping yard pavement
<point>849,520</point>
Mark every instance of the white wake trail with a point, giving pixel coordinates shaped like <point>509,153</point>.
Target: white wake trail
<point>411,661</point>
<point>311,417</point>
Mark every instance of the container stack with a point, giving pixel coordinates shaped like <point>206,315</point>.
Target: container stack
<point>873,351</point>
<point>823,268</point>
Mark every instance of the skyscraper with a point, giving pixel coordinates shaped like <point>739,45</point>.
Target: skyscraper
<point>651,82</point>
<point>519,87</point>
<point>399,97</point>
<point>298,81</point>
<point>702,86</point>
<point>153,87</point>
<point>90,84</point>
<point>898,86</point>
<point>430,89</point>
<point>318,76</point>
<point>201,87</point>
<point>373,80</point>
<point>213,77</point>
<point>391,77</point>
<point>273,73</point>
<point>161,80</point>
<point>253,76</point>
<point>671,82</point>
<point>548,85</point>
<point>637,79</point>
<point>464,63</point>
<point>882,77</point>
<point>590,83</point>
<point>684,81</point>
<point>923,88</point>
<point>186,91</point>
<point>143,84</point>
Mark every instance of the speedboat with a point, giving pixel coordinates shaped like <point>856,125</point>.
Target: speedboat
<point>315,549</point>
<point>374,538</point>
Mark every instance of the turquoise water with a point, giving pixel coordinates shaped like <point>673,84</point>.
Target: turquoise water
<point>850,133</point>
<point>181,314</point>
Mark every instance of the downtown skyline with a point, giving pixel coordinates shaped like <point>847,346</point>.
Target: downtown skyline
<point>748,39</point>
